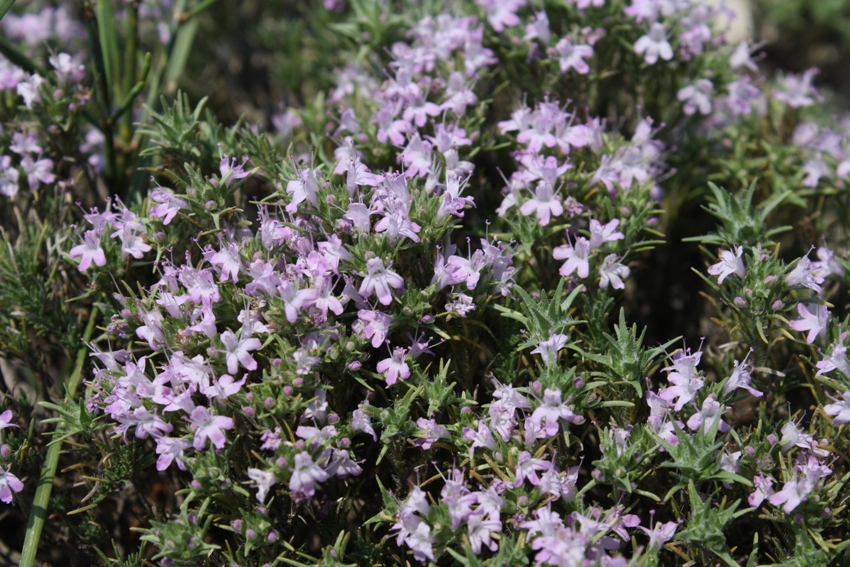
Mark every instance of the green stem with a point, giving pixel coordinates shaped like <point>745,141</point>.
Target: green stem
<point>51,463</point>
<point>18,58</point>
<point>5,6</point>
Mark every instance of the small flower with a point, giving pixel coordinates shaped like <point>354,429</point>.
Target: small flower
<point>9,483</point>
<point>612,272</point>
<point>548,349</point>
<point>576,257</point>
<point>573,56</point>
<point>304,477</point>
<point>394,367</point>
<point>840,410</point>
<point>209,426</point>
<point>797,90</point>
<point>238,350</point>
<point>264,479</point>
<point>813,322</point>
<point>6,419</point>
<point>707,415</point>
<point>697,97</point>
<point>763,491</point>
<point>730,263</point>
<point>379,281</point>
<point>433,432</point>
<point>654,45</point>
<point>90,250</point>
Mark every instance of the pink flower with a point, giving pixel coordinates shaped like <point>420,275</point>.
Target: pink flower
<point>572,56</point>
<point>602,233</point>
<point>546,416</point>
<point>169,449</point>
<point>545,204</point>
<point>238,350</point>
<point>815,323</point>
<point>764,490</point>
<point>548,349</point>
<point>729,264</point>
<point>433,432</point>
<point>613,272</point>
<point>527,467</point>
<point>654,45</point>
<point>707,415</point>
<point>576,257</point>
<point>90,250</point>
<point>685,380</point>
<point>304,476</point>
<point>264,479</point>
<point>379,281</point>
<point>840,410</point>
<point>208,426</point>
<point>6,419</point>
<point>9,483</point>
<point>394,367</point>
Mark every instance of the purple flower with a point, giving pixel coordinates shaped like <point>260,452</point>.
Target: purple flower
<point>480,528</point>
<point>764,490</point>
<point>837,359</point>
<point>208,426</point>
<point>169,449</point>
<point>840,410</point>
<point>238,350</point>
<point>360,421</point>
<point>379,281</point>
<point>6,419</point>
<point>576,256</point>
<point>37,171</point>
<point>304,476</point>
<point>545,203</point>
<point>8,177</point>
<point>685,380</point>
<point>373,325</point>
<point>707,415</point>
<point>527,467</point>
<point>573,56</point>
<point>546,416</point>
<point>729,264</point>
<point>661,534</point>
<point>29,88</point>
<point>264,479</point>
<point>797,90</point>
<point>807,274</point>
<point>697,97</point>
<point>602,233</point>
<point>548,349</point>
<point>654,45</point>
<point>228,262</point>
<point>502,13</point>
<point>90,250</point>
<point>813,322</point>
<point>433,432</point>
<point>394,367</point>
<point>613,272</point>
<point>9,483</point>
<point>741,378</point>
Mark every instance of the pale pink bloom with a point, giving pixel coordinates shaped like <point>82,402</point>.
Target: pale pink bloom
<point>304,476</point>
<point>654,45</point>
<point>545,203</point>
<point>813,322</point>
<point>379,280</point>
<point>6,419</point>
<point>837,359</point>
<point>602,233</point>
<point>90,250</point>
<point>548,349</point>
<point>707,415</point>
<point>548,414</point>
<point>661,534</point>
<point>209,426</point>
<point>394,367</point>
<point>527,467</point>
<point>264,479</point>
<point>573,56</point>
<point>576,256</point>
<point>169,449</point>
<point>480,528</point>
<point>685,380</point>
<point>9,483</point>
<point>764,490</point>
<point>612,272</point>
<point>840,410</point>
<point>238,350</point>
<point>730,263</point>
<point>696,97</point>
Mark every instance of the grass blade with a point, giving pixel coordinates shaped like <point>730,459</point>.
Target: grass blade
<point>48,470</point>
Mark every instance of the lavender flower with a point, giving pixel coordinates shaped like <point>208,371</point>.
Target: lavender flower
<point>813,322</point>
<point>9,483</point>
<point>654,45</point>
<point>304,477</point>
<point>730,263</point>
<point>394,367</point>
